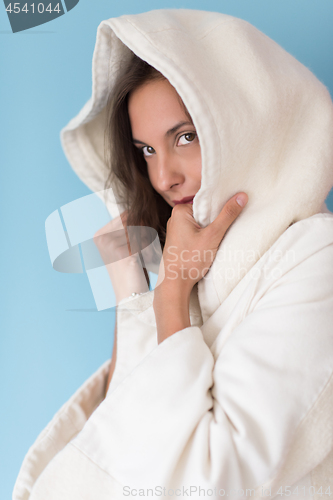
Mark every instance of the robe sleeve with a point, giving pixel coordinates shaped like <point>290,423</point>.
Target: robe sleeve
<point>181,417</point>
<point>136,332</point>
<point>135,339</point>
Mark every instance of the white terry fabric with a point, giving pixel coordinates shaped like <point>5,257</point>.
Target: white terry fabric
<point>244,401</point>
<point>243,397</point>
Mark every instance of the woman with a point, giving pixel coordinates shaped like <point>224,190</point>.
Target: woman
<point>223,379</point>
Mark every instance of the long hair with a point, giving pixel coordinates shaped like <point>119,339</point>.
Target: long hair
<point>126,163</point>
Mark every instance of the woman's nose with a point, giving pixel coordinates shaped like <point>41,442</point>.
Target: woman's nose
<point>169,173</point>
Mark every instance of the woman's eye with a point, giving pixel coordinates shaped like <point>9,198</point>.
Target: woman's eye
<point>148,150</point>
<point>186,138</point>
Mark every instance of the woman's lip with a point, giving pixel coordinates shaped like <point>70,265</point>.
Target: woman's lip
<point>188,199</point>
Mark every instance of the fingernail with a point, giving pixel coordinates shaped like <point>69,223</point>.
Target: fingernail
<point>241,200</point>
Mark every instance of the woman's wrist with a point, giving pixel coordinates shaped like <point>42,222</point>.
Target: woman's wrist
<point>127,277</point>
<point>171,306</point>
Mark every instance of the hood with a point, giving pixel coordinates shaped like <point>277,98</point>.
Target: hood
<point>264,123</point>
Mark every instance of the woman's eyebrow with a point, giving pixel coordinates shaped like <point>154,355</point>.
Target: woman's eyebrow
<point>176,127</point>
<point>169,132</point>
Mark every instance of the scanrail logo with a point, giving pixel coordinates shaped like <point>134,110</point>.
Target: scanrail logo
<point>25,15</point>
<point>83,237</point>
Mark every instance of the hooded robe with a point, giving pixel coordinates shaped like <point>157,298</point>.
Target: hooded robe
<point>241,401</point>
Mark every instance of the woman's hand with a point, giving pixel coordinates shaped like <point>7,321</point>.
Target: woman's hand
<point>189,249</point>
<point>124,268</point>
<point>188,253</point>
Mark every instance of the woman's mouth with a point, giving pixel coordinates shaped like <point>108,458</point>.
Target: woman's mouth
<point>187,199</point>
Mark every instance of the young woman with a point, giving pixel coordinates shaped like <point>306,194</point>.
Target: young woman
<point>221,378</point>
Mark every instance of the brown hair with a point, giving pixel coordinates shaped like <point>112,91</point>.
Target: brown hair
<point>127,166</point>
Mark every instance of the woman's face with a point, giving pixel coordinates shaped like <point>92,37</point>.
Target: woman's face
<point>168,141</point>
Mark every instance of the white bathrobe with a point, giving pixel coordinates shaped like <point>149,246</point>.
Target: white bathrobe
<point>240,403</point>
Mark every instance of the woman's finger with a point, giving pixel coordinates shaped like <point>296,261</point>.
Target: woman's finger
<point>228,214</point>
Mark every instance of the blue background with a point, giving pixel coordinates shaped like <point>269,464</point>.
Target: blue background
<point>51,337</point>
